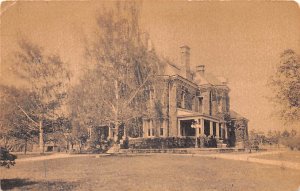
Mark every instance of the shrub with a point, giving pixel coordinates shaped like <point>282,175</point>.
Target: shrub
<point>6,159</point>
<point>168,142</point>
<point>291,142</point>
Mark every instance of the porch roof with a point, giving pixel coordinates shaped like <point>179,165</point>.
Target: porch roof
<point>187,114</point>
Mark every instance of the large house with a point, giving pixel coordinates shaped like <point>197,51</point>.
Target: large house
<point>188,103</point>
<point>193,103</point>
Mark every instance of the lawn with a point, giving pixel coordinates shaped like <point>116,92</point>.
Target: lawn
<point>29,155</point>
<point>291,156</point>
<point>148,172</point>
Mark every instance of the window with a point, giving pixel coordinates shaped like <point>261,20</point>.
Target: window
<point>183,100</point>
<point>220,104</point>
<point>210,103</point>
<point>220,131</point>
<point>152,131</point>
<point>149,132</point>
<point>161,131</point>
<point>193,104</point>
<point>151,97</point>
<point>214,128</point>
<point>200,104</point>
<point>207,127</point>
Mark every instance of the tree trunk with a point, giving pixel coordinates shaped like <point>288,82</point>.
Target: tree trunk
<point>25,148</point>
<point>117,111</point>
<point>80,145</point>
<point>41,138</point>
<point>5,142</point>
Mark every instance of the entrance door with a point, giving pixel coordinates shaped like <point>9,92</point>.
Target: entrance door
<point>186,128</point>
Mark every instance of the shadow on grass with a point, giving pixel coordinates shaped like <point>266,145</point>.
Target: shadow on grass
<point>26,184</point>
<point>7,184</point>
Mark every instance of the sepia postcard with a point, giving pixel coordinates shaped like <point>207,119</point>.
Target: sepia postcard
<point>150,95</point>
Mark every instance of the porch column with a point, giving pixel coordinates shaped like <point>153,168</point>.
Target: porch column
<point>197,129</point>
<point>145,130</point>
<point>218,130</point>
<point>164,126</point>
<point>202,126</point>
<point>211,126</point>
<point>222,130</point>
<point>150,127</point>
<point>109,132</point>
<point>226,133</point>
<point>178,128</point>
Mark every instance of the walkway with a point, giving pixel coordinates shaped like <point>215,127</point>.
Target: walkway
<point>57,156</point>
<point>250,158</point>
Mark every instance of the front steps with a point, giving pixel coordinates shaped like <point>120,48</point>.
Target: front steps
<point>114,149</point>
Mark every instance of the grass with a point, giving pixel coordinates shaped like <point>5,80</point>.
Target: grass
<point>291,156</point>
<point>148,172</point>
<point>29,155</point>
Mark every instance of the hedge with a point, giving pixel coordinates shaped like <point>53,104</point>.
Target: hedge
<point>170,142</point>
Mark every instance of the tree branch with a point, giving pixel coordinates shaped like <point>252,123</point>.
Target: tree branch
<point>27,115</point>
<point>134,93</point>
<point>110,104</point>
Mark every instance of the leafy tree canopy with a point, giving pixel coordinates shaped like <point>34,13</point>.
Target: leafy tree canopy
<point>286,86</point>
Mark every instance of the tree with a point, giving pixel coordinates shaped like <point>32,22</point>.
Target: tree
<point>285,134</point>
<point>286,86</point>
<point>16,129</point>
<point>114,89</point>
<point>47,79</point>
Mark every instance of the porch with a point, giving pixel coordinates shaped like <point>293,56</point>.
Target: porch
<point>201,125</point>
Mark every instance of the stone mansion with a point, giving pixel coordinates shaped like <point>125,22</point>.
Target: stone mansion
<point>194,103</point>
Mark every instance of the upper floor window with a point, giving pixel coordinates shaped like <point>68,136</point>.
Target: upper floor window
<point>220,104</point>
<point>210,103</point>
<point>200,104</point>
<point>183,97</point>
<point>227,100</point>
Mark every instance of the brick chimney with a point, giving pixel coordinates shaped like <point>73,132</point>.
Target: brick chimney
<point>200,69</point>
<point>185,61</point>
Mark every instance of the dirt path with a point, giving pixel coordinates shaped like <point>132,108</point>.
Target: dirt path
<point>58,156</point>
<point>250,158</point>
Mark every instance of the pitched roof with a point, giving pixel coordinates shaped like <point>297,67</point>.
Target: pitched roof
<point>210,78</point>
<point>235,115</point>
<point>200,79</point>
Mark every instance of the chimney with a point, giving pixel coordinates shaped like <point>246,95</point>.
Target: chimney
<point>185,61</point>
<point>200,69</point>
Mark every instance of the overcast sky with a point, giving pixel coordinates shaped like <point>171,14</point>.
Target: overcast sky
<point>241,41</point>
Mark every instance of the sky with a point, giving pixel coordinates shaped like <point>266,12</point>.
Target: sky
<point>241,41</point>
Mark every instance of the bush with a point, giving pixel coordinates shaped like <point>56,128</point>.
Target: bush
<point>291,142</point>
<point>168,142</point>
<point>99,147</point>
<point>6,159</point>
